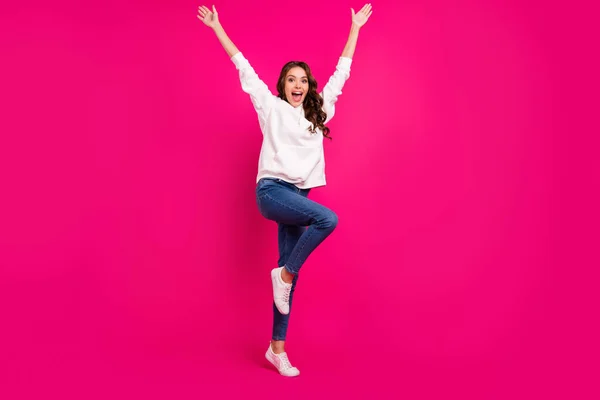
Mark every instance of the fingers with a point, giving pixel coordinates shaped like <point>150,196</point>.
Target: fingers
<point>203,10</point>
<point>352,9</point>
<point>204,15</point>
<point>206,10</point>
<point>367,10</point>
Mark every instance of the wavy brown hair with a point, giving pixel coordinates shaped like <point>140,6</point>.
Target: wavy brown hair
<point>313,102</point>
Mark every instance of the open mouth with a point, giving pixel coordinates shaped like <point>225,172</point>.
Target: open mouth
<point>296,96</point>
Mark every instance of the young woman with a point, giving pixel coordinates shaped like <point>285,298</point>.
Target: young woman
<point>291,162</point>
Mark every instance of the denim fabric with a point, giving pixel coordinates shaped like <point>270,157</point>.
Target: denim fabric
<point>302,225</point>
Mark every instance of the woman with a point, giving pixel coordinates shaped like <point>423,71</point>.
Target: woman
<point>291,162</point>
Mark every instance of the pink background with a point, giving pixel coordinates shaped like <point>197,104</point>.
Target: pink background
<point>134,263</point>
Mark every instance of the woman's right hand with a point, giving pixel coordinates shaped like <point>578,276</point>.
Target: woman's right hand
<point>210,18</point>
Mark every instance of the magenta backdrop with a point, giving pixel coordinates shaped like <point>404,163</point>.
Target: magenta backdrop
<point>135,263</point>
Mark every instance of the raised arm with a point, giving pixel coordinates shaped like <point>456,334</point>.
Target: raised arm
<point>211,19</point>
<point>336,82</point>
<point>262,98</point>
<point>358,20</point>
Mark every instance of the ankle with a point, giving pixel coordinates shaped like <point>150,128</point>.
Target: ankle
<point>286,276</point>
<point>278,346</point>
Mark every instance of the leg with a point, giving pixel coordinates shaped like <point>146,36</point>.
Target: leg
<point>288,236</point>
<point>289,206</point>
<point>283,204</point>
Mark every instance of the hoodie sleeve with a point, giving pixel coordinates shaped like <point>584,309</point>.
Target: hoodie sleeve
<point>334,86</point>
<point>262,98</point>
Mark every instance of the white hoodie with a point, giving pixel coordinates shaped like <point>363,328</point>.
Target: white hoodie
<point>289,150</point>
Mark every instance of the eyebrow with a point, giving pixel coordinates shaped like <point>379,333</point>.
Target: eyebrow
<point>295,76</point>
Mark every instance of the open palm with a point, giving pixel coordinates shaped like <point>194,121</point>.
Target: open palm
<point>361,17</point>
<point>210,18</point>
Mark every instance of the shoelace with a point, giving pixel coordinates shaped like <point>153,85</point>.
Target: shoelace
<point>285,362</point>
<point>286,293</point>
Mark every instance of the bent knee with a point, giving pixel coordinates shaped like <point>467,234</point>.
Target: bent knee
<point>330,221</point>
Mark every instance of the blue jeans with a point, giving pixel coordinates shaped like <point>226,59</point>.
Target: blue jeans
<point>302,225</point>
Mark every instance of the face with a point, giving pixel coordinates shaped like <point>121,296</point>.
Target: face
<point>296,86</point>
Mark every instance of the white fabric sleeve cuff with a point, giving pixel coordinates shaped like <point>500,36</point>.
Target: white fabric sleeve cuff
<point>345,62</point>
<point>238,59</point>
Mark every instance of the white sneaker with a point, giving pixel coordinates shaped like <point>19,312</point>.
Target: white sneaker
<point>281,291</point>
<point>282,363</point>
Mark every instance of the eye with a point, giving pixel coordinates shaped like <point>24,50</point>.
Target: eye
<point>290,79</point>
<point>304,81</point>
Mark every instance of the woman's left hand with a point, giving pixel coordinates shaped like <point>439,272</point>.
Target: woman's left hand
<point>361,17</point>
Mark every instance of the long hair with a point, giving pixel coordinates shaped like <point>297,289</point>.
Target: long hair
<point>313,102</point>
